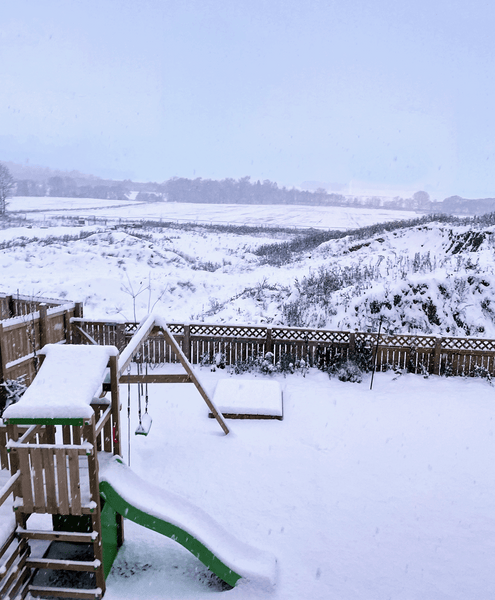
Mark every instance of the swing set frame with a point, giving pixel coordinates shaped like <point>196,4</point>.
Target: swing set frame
<point>154,325</point>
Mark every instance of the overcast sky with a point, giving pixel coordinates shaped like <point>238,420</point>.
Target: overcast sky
<point>377,92</point>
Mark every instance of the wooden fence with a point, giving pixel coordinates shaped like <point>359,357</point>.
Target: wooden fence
<point>317,347</point>
<point>17,305</point>
<point>23,336</point>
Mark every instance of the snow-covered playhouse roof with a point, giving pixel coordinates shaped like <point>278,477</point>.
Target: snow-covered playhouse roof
<point>64,387</point>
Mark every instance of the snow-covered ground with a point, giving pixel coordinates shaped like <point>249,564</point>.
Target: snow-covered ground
<point>359,494</point>
<point>434,278</point>
<point>325,217</point>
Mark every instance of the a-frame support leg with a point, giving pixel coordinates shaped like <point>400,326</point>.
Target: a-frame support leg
<point>187,366</point>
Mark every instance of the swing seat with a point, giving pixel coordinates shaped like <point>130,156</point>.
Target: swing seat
<point>145,425</point>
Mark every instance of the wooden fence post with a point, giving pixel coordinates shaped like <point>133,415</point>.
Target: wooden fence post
<point>67,326</point>
<point>269,341</point>
<point>186,342</point>
<point>78,314</point>
<point>43,325</point>
<point>11,306</point>
<point>3,391</point>
<point>78,310</point>
<point>352,344</point>
<point>120,336</point>
<point>437,356</point>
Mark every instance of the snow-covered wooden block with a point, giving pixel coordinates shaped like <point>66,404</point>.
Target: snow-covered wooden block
<point>249,399</point>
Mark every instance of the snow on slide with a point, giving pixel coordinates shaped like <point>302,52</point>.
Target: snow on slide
<point>177,518</point>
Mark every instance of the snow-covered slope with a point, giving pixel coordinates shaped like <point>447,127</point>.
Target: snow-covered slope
<point>431,278</point>
<point>434,278</point>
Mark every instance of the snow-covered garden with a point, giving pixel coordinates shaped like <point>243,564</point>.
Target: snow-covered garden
<point>359,493</point>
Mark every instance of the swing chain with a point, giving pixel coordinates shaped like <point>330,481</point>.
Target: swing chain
<point>146,400</point>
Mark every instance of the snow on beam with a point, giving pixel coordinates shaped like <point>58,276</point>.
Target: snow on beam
<point>65,384</point>
<point>133,346</point>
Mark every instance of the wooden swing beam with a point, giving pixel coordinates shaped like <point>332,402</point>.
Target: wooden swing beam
<point>157,378</point>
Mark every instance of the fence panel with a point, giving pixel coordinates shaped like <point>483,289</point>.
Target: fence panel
<point>21,339</point>
<point>17,305</point>
<point>418,354</point>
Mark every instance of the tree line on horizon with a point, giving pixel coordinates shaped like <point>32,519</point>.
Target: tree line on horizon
<point>238,191</point>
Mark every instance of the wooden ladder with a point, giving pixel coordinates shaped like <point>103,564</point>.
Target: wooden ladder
<point>50,483</point>
<point>91,566</point>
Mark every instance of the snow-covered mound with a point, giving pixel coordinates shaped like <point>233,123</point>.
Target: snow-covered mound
<point>433,277</point>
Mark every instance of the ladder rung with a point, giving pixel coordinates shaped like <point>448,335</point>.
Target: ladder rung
<point>63,565</point>
<point>58,536</point>
<point>4,568</point>
<point>94,594</point>
<point>18,587</point>
<point>85,510</point>
<point>13,576</point>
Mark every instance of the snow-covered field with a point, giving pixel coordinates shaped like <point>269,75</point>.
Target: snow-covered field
<point>359,494</point>
<point>324,217</point>
<point>435,278</point>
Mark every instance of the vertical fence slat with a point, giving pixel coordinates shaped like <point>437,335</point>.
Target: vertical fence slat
<point>63,490</point>
<point>26,485</point>
<point>38,480</point>
<point>74,478</point>
<point>49,470</point>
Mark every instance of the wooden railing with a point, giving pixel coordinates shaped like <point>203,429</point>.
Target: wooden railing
<point>14,552</point>
<point>15,574</point>
<point>22,337</point>
<point>317,347</point>
<point>17,305</point>
<point>51,478</point>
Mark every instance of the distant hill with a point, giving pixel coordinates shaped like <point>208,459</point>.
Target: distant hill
<point>34,180</point>
<point>38,173</point>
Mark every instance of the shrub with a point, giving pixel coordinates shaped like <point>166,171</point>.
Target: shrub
<point>12,391</point>
<point>483,372</point>
<point>349,371</point>
<point>363,355</point>
<point>263,364</point>
<point>351,366</point>
<point>216,361</point>
<point>205,266</point>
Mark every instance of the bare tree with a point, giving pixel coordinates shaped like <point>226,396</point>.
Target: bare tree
<point>7,184</point>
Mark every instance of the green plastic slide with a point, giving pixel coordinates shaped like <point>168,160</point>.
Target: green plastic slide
<point>127,494</point>
<point>174,532</point>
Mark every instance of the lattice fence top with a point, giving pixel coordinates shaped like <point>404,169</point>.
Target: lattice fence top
<point>298,335</point>
<point>408,341</point>
<point>235,331</point>
<point>476,344</point>
<point>309,335</point>
<point>131,328</point>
